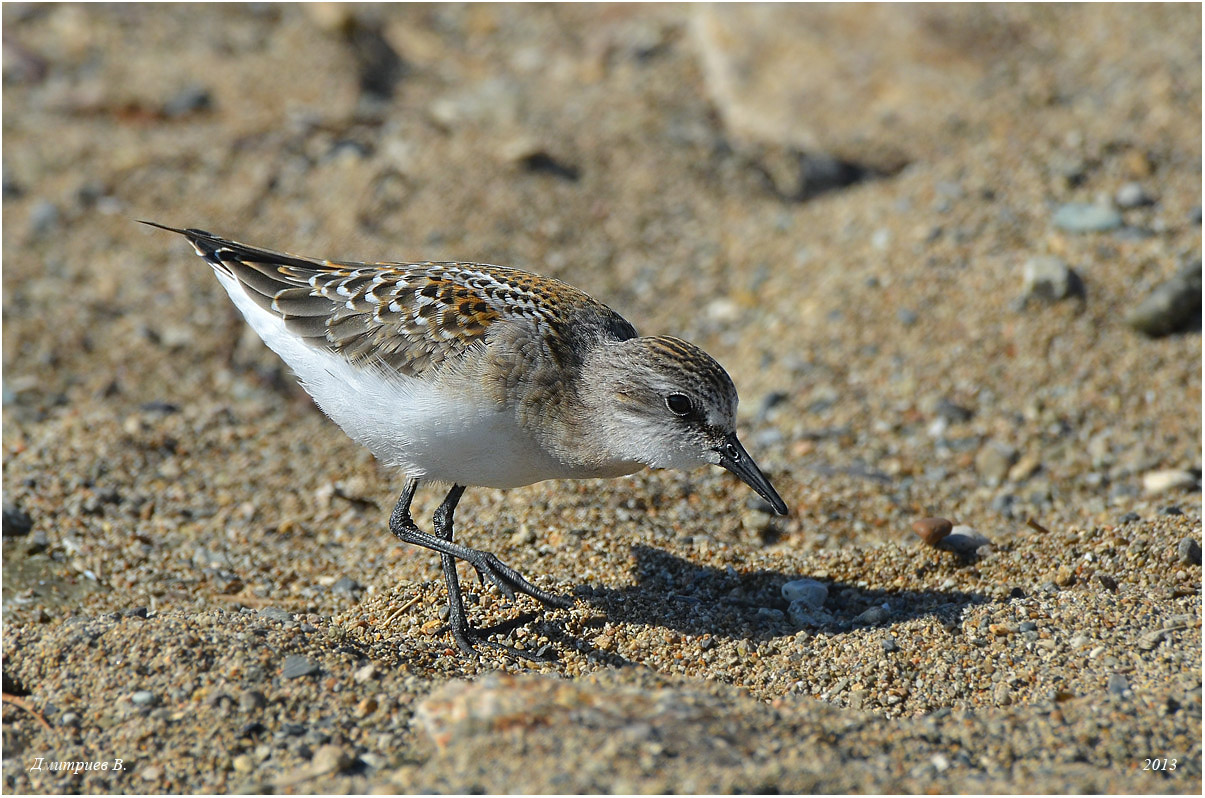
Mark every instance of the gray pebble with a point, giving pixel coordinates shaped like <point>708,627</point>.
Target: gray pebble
<point>346,586</point>
<point>1050,279</point>
<point>1082,217</point>
<point>296,666</point>
<point>1117,684</point>
<point>1027,626</point>
<point>276,614</point>
<point>872,616</point>
<point>770,615</point>
<point>143,698</point>
<point>44,218</point>
<point>1189,551</point>
<point>889,645</point>
<point>17,522</point>
<point>801,614</point>
<point>69,719</point>
<point>907,316</point>
<point>811,593</point>
<point>188,100</point>
<point>1132,195</point>
<point>251,700</point>
<point>964,540</point>
<point>993,461</point>
<point>1172,306</point>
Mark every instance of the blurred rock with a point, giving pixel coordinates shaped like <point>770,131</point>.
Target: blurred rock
<point>1049,278</point>
<point>1172,307</point>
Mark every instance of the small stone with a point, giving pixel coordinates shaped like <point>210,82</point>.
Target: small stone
<point>1064,576</point>
<point>251,700</point>
<point>1081,217</point>
<point>889,645</point>
<point>44,218</point>
<point>1188,552</point>
<point>143,698</point>
<point>69,719</point>
<point>1132,195</point>
<point>366,707</point>
<point>186,101</point>
<point>17,522</point>
<point>150,773</point>
<point>1156,482</point>
<point>243,763</point>
<point>770,615</point>
<point>993,461</point>
<point>330,759</point>
<point>873,616</point>
<point>1172,306</point>
<point>1150,639</point>
<point>276,614</point>
<point>1108,582</point>
<point>296,666</point>
<point>365,673</point>
<point>1117,684</point>
<point>933,530</point>
<point>965,540</point>
<point>346,586</point>
<point>811,593</point>
<point>800,614</point>
<point>1001,695</point>
<point>1049,278</point>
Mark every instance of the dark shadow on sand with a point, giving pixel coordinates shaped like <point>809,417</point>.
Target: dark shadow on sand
<point>677,594</point>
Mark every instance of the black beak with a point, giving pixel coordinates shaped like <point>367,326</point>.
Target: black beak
<point>734,457</point>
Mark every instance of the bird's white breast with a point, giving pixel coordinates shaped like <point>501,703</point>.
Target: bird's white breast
<point>418,426</point>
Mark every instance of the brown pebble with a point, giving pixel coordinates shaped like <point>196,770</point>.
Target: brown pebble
<point>1108,582</point>
<point>932,530</point>
<point>366,707</point>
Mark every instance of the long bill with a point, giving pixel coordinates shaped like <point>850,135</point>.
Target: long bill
<point>734,458</point>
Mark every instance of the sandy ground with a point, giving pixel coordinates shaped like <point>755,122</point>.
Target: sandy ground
<point>914,236</point>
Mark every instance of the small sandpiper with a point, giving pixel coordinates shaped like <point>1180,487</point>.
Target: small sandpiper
<point>470,374</point>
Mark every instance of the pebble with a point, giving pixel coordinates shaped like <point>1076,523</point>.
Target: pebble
<point>1166,480</point>
<point>770,615</point>
<point>965,540</point>
<point>889,645</point>
<point>1082,217</point>
<point>187,101</point>
<point>152,773</point>
<point>243,763</point>
<point>251,700</point>
<point>809,592</point>
<point>330,759</point>
<point>69,719</point>
<point>1117,684</point>
<point>1172,306</point>
<point>933,530</point>
<point>143,698</point>
<point>346,586</point>
<point>993,460</point>
<point>296,666</point>
<point>873,616</point>
<point>17,522</point>
<point>44,218</point>
<point>1188,552</point>
<point>1049,278</point>
<point>365,673</point>
<point>801,614</point>
<point>276,614</point>
<point>1132,195</point>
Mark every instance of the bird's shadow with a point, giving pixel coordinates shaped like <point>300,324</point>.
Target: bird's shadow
<point>677,594</point>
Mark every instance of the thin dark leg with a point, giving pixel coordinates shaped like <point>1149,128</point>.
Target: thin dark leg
<point>458,622</point>
<point>508,580</point>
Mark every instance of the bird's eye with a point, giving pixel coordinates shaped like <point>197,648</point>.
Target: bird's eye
<point>679,404</point>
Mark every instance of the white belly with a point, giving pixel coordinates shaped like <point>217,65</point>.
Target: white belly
<point>407,422</point>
